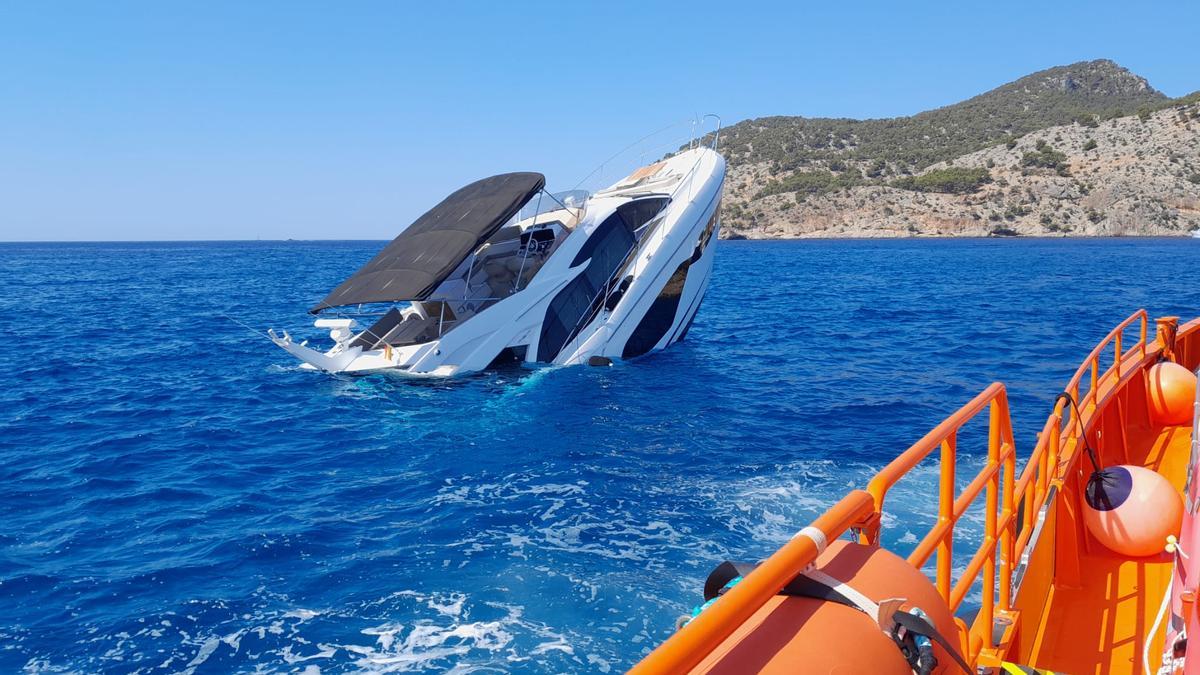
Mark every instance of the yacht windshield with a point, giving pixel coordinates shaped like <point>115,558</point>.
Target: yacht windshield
<point>541,203</point>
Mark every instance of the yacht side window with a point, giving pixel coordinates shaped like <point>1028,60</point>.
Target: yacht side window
<point>638,213</point>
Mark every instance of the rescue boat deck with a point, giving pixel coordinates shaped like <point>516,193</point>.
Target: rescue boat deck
<point>1097,626</point>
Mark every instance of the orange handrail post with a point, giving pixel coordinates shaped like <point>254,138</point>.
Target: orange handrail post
<point>1008,457</point>
<point>1055,443</point>
<point>946,516</point>
<point>1117,354</point>
<point>989,526</point>
<point>1142,342</point>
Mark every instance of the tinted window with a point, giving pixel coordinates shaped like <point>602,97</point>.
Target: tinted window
<point>637,214</point>
<point>606,249</point>
<point>661,315</point>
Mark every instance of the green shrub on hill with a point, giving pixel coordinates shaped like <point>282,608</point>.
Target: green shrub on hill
<point>952,180</point>
<point>810,183</point>
<point>1046,157</point>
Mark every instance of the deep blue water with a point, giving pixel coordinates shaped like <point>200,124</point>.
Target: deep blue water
<point>176,496</point>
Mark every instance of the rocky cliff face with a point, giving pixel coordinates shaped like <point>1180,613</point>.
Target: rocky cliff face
<point>1086,149</point>
<point>1126,176</point>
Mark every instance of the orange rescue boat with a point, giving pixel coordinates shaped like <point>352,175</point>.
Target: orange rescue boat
<point>1088,560</point>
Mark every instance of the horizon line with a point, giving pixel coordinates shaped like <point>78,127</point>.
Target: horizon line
<point>1185,235</point>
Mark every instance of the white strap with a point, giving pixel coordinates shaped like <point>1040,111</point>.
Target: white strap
<point>882,613</point>
<point>861,601</point>
<point>816,536</point>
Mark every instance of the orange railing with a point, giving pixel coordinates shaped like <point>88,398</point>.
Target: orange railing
<point>1061,436</point>
<point>1006,499</point>
<point>1010,511</point>
<point>996,477</point>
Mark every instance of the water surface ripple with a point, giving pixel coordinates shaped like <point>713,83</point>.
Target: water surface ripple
<point>177,497</point>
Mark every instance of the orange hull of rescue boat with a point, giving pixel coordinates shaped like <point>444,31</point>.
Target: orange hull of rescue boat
<point>1045,592</point>
<point>834,638</point>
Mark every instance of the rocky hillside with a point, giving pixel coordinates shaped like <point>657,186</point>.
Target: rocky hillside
<point>1086,149</point>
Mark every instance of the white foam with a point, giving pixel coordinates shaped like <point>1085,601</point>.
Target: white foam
<point>302,614</point>
<point>210,645</point>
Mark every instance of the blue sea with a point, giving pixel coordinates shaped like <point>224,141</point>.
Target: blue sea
<point>176,496</point>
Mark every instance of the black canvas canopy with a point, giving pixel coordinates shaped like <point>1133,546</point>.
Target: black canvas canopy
<point>424,254</point>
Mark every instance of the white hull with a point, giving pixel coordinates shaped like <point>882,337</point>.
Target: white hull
<point>644,304</point>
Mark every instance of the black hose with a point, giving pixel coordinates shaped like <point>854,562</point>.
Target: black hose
<point>1079,420</point>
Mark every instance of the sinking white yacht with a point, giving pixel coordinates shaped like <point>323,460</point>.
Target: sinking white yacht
<point>502,270</point>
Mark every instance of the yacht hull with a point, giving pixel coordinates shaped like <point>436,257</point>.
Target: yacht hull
<point>669,283</point>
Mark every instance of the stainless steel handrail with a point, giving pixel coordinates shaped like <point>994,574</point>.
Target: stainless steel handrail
<point>717,133</point>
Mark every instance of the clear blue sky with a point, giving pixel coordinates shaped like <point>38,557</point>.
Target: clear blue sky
<point>207,120</point>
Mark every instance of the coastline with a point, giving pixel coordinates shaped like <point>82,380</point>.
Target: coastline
<point>723,239</point>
